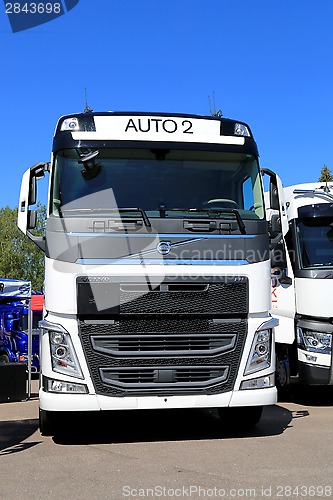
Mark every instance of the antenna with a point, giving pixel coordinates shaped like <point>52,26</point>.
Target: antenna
<point>87,108</point>
<point>214,112</point>
<point>210,107</point>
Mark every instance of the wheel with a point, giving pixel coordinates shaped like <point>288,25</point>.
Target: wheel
<point>282,373</point>
<point>4,359</point>
<point>243,417</point>
<point>46,423</point>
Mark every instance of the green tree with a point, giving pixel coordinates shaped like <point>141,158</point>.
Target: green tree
<point>325,174</point>
<point>20,258</point>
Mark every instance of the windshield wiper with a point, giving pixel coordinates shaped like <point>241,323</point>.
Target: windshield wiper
<point>233,211</point>
<point>140,210</point>
<point>107,210</point>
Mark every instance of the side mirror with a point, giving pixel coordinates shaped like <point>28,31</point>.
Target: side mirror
<point>273,189</point>
<point>32,219</point>
<point>32,190</point>
<point>275,225</point>
<point>278,256</point>
<point>26,217</point>
<point>274,196</point>
<point>284,279</point>
<point>36,172</point>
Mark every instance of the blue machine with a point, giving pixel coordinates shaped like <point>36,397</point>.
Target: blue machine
<point>15,300</point>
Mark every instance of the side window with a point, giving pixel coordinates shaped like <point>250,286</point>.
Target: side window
<point>252,197</point>
<point>248,199</point>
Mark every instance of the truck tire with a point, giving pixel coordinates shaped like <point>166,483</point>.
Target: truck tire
<point>46,423</point>
<point>282,374</point>
<point>4,359</point>
<point>243,417</point>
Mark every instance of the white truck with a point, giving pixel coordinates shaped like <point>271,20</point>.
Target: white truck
<point>157,267</point>
<point>302,290</point>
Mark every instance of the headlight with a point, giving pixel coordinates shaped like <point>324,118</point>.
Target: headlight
<point>260,354</point>
<point>314,341</point>
<point>63,355</point>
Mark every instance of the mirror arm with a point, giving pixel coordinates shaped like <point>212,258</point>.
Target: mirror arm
<point>38,240</point>
<point>284,279</point>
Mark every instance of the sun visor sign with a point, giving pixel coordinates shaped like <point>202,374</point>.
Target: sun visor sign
<point>158,128</point>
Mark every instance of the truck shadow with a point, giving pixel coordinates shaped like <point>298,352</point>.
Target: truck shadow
<point>14,433</point>
<point>164,425</point>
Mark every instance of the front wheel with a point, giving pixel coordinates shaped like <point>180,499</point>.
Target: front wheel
<point>243,417</point>
<point>282,373</point>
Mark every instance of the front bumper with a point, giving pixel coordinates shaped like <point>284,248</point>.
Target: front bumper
<point>90,402</point>
<point>314,375</point>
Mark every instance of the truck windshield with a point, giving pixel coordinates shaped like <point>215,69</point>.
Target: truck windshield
<point>159,182</point>
<point>315,241</point>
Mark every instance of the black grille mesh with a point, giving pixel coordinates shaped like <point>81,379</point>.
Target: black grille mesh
<point>214,297</point>
<point>218,298</point>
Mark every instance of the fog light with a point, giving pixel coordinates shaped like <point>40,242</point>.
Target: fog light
<point>259,383</point>
<point>312,359</point>
<point>61,386</point>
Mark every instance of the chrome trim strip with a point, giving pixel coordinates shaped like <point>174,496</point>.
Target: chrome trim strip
<point>161,262</point>
<point>164,235</point>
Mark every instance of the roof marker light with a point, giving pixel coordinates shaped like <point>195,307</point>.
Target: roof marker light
<point>70,124</point>
<point>241,129</point>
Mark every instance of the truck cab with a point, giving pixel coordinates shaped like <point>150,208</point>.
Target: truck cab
<point>157,239</point>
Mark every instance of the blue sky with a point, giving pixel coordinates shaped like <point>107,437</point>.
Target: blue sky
<point>269,63</point>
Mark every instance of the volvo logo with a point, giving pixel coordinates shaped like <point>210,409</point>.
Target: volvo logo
<point>164,247</point>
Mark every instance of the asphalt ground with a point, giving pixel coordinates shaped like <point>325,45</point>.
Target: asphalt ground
<point>170,454</point>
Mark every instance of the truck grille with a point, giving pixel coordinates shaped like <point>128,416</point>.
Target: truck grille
<point>163,336</point>
<point>164,357</point>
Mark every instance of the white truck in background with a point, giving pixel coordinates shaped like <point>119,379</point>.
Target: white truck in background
<point>302,287</point>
